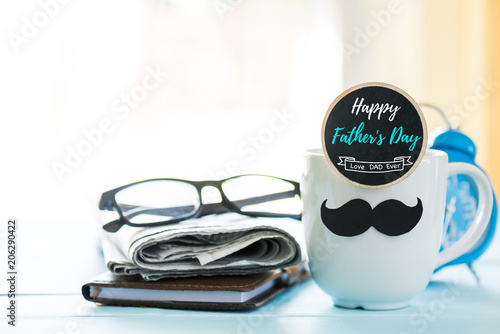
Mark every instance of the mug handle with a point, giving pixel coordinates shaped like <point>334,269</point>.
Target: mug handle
<point>483,215</point>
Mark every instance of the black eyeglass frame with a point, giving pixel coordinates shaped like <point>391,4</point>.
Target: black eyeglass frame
<point>108,202</point>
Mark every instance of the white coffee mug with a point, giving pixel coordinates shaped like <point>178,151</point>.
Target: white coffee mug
<point>373,269</point>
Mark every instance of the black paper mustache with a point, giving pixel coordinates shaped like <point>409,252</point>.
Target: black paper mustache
<point>355,217</point>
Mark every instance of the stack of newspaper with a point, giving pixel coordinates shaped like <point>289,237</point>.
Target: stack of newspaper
<point>227,244</point>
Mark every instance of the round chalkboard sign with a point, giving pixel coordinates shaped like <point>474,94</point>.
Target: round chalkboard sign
<point>374,135</point>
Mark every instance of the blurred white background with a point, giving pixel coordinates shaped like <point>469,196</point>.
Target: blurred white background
<point>97,94</point>
<point>193,89</point>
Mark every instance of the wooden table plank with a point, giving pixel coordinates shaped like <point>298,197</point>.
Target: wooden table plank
<point>304,309</point>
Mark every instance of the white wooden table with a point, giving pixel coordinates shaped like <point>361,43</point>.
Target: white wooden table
<point>52,271</point>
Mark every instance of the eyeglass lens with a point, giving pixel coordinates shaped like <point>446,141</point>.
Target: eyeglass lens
<point>158,201</point>
<point>255,193</point>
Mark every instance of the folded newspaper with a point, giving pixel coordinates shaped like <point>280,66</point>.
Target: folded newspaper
<point>226,244</point>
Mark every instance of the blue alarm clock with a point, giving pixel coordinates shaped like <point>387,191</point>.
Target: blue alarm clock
<point>461,197</point>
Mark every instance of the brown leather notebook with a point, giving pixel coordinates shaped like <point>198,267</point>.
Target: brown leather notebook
<point>235,292</point>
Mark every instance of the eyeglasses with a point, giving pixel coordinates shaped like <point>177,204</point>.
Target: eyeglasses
<point>158,202</point>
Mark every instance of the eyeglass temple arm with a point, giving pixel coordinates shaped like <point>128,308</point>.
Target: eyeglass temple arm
<point>207,209</point>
